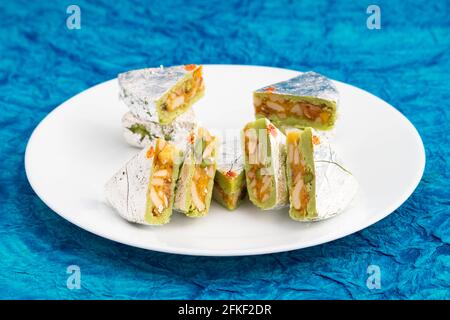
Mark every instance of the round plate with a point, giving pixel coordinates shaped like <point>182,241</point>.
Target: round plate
<point>79,146</point>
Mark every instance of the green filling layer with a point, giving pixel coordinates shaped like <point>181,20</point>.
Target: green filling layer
<point>230,184</point>
<point>228,200</point>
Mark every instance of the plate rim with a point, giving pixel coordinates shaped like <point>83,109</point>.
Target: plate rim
<point>233,252</point>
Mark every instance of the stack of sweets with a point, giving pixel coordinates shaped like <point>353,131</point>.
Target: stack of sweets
<point>177,164</point>
<point>279,160</point>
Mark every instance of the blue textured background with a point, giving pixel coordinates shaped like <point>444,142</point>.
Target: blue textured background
<point>407,63</point>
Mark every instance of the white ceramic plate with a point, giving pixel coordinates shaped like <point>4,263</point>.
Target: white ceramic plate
<point>79,145</point>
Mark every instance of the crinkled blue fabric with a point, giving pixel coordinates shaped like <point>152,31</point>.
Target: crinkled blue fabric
<point>406,62</point>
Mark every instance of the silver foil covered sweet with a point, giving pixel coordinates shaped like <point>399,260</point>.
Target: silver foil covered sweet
<point>230,157</point>
<point>307,84</point>
<point>335,185</point>
<point>141,89</point>
<point>126,191</point>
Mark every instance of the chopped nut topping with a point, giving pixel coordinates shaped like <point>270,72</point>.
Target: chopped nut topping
<point>161,180</point>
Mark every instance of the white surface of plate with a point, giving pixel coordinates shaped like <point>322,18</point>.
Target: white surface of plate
<point>79,146</point>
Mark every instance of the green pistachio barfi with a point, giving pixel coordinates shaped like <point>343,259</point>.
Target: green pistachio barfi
<point>161,94</point>
<point>264,158</point>
<point>229,182</point>
<point>143,190</point>
<point>195,184</point>
<point>319,186</point>
<point>307,100</point>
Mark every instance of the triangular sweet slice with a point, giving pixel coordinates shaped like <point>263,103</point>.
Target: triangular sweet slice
<point>195,184</point>
<point>143,190</point>
<point>319,186</point>
<point>307,100</point>
<point>264,156</point>
<point>229,182</point>
<point>161,94</point>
